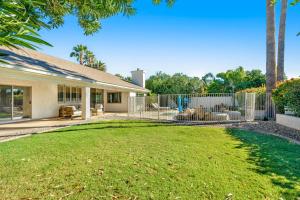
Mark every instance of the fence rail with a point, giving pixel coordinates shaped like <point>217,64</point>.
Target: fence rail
<point>200,107</point>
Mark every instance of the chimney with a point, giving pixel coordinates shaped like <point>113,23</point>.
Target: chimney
<point>138,77</point>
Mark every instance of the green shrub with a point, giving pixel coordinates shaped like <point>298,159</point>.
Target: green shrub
<point>288,94</point>
<point>258,90</point>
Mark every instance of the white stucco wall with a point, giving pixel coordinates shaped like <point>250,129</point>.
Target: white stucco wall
<point>117,107</point>
<point>43,93</point>
<point>44,101</point>
<point>289,121</point>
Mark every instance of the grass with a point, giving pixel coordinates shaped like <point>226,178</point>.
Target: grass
<point>144,160</point>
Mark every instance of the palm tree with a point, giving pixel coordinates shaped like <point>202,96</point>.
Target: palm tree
<point>79,52</point>
<point>271,57</point>
<point>100,65</point>
<point>89,58</point>
<point>208,78</point>
<point>281,41</point>
<point>19,25</point>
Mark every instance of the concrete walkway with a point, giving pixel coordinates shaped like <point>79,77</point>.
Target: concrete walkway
<point>15,130</point>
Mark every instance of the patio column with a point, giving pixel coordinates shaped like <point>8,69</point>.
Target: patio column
<point>86,108</point>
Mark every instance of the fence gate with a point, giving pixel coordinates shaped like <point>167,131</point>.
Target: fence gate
<point>249,106</point>
<point>200,107</point>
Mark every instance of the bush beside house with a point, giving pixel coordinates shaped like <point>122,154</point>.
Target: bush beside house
<point>287,94</point>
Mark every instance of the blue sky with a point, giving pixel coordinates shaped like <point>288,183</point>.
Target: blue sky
<point>193,37</point>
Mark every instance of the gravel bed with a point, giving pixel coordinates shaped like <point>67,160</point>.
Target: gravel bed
<point>270,127</point>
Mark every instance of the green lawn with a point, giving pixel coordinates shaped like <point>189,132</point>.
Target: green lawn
<point>144,160</point>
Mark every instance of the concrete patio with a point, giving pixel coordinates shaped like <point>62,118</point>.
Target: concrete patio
<point>19,129</point>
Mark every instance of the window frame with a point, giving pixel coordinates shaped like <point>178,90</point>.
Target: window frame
<point>60,99</point>
<point>68,94</point>
<point>112,93</point>
<point>73,90</point>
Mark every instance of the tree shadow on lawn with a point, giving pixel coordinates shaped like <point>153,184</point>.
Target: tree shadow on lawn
<point>274,157</point>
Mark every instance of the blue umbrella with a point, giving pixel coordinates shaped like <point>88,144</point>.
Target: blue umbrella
<point>179,102</point>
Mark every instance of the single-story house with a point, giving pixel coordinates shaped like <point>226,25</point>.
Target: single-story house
<point>35,85</point>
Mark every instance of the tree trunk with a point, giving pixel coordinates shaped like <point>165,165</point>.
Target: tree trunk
<point>281,41</point>
<point>81,58</point>
<point>271,57</point>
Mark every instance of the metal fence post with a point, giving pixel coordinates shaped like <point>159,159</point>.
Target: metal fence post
<point>158,102</point>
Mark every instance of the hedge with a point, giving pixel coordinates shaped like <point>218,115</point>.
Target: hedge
<point>258,90</point>
<point>287,94</point>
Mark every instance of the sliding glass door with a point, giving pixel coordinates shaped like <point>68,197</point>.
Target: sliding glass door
<point>96,97</point>
<point>15,102</point>
<point>5,102</point>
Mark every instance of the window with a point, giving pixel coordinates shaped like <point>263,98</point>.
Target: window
<point>79,94</point>
<point>99,97</point>
<point>96,97</point>
<point>67,94</point>
<point>74,94</point>
<point>115,97</point>
<point>60,93</point>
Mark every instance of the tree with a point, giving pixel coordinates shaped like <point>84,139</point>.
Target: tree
<point>19,23</point>
<point>208,78</point>
<point>127,78</point>
<point>254,78</point>
<point>271,54</point>
<point>89,58</point>
<point>158,83</point>
<point>100,65</point>
<point>281,41</point>
<point>89,13</point>
<point>79,52</point>
<point>235,80</point>
<point>21,19</point>
<point>162,83</point>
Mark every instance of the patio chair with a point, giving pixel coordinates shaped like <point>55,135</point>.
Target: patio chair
<point>97,110</point>
<point>69,111</point>
<point>156,107</point>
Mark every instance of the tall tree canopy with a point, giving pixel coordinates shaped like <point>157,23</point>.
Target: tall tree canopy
<point>124,78</point>
<point>87,58</point>
<point>162,83</point>
<point>21,19</point>
<point>19,22</point>
<point>89,12</point>
<point>236,80</point>
<point>79,52</point>
<point>224,82</point>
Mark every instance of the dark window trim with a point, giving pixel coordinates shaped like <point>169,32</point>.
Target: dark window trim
<point>108,97</point>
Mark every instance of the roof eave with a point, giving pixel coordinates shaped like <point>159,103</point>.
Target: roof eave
<point>69,77</point>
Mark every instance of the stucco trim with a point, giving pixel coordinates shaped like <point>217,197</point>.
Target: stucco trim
<point>289,121</point>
